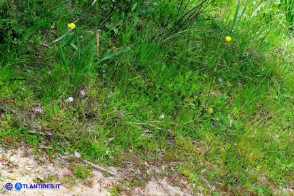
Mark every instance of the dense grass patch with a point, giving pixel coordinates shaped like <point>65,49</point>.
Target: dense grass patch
<point>166,86</point>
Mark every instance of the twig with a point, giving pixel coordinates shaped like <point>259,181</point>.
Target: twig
<point>97,41</point>
<point>100,168</point>
<point>93,2</point>
<point>139,123</point>
<point>44,44</point>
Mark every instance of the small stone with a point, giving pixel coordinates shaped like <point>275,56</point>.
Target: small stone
<point>77,155</point>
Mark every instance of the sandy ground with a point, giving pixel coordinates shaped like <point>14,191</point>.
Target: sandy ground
<point>19,165</point>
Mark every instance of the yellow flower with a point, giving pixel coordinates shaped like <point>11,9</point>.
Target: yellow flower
<point>228,38</point>
<point>210,111</point>
<point>71,25</point>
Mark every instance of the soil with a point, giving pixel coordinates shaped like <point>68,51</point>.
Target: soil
<point>21,165</point>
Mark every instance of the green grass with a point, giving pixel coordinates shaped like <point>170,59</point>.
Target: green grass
<point>161,89</point>
<point>82,172</point>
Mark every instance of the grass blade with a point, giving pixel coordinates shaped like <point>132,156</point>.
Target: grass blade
<point>111,55</point>
<point>236,15</point>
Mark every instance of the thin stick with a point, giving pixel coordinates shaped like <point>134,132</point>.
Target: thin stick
<point>100,168</point>
<point>94,2</point>
<point>97,41</point>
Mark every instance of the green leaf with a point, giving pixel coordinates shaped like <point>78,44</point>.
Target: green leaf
<point>111,55</point>
<point>134,7</point>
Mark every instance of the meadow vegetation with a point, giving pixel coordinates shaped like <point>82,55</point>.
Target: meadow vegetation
<point>203,87</point>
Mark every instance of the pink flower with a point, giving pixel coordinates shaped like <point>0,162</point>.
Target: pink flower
<point>38,109</point>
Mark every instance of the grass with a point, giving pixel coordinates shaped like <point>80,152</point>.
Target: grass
<point>158,91</point>
<point>82,172</point>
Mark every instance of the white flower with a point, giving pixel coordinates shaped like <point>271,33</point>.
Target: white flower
<point>83,92</point>
<point>70,99</point>
<point>161,116</point>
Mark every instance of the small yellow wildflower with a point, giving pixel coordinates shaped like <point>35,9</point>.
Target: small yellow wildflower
<point>71,25</point>
<point>210,111</point>
<point>228,38</point>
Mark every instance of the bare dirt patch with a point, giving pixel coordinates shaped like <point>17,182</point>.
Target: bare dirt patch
<point>21,165</point>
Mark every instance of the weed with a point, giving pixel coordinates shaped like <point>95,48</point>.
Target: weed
<point>82,171</point>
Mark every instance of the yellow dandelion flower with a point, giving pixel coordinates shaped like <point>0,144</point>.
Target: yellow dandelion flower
<point>228,38</point>
<point>71,25</point>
